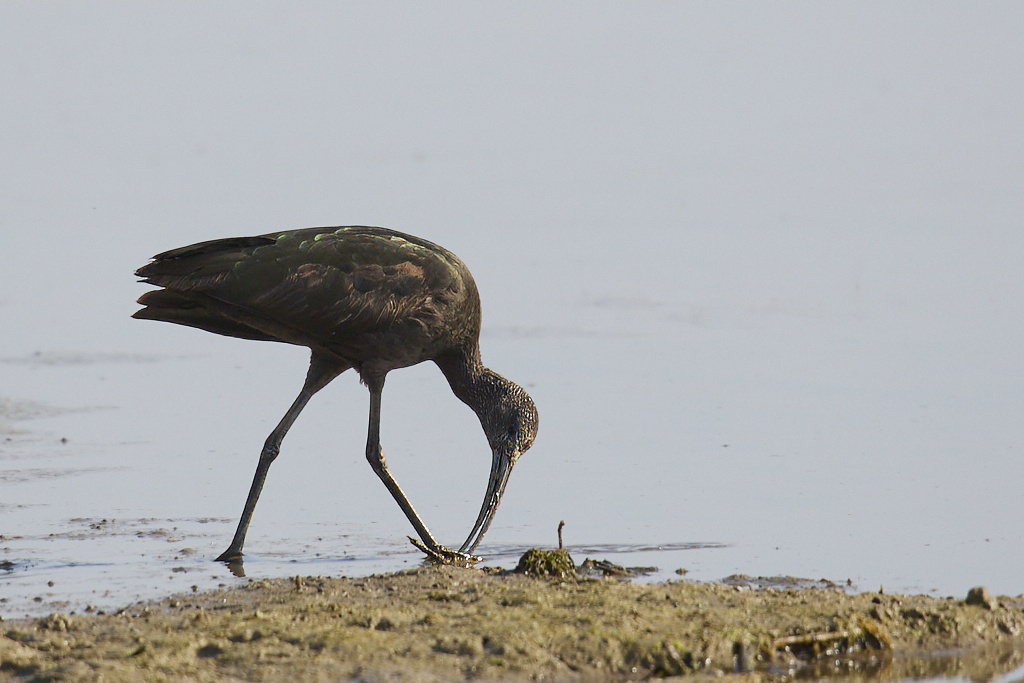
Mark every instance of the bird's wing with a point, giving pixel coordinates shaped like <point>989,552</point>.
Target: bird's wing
<point>320,283</point>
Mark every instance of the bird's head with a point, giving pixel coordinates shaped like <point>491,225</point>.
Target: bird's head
<point>510,423</point>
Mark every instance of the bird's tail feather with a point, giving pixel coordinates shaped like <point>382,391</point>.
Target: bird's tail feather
<point>211,259</point>
<point>174,307</point>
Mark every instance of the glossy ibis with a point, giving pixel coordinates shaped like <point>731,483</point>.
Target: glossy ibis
<point>366,298</point>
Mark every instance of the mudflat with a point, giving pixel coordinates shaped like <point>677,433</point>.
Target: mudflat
<point>445,623</point>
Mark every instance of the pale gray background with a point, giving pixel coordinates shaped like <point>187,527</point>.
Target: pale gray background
<point>758,263</point>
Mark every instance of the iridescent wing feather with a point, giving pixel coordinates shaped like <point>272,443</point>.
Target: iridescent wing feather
<point>319,286</point>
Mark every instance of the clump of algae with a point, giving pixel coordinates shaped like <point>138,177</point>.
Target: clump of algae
<point>554,563</point>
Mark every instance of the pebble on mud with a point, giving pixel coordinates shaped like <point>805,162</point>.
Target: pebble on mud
<point>980,596</point>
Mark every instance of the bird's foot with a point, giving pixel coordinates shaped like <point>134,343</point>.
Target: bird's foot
<point>232,559</point>
<point>442,555</point>
<point>230,555</point>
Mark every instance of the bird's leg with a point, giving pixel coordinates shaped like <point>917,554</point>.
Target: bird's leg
<point>320,373</point>
<point>375,456</point>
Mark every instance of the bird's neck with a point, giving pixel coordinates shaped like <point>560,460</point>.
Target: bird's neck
<point>475,385</point>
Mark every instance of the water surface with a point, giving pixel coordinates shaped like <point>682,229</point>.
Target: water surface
<point>759,266</point>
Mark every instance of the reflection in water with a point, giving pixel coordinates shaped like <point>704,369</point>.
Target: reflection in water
<point>236,568</point>
<point>997,663</point>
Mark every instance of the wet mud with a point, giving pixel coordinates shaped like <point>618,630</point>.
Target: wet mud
<point>543,621</point>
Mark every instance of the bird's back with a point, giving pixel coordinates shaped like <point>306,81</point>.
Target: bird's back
<point>362,293</point>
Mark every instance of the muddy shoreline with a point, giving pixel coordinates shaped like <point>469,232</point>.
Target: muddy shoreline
<point>443,623</point>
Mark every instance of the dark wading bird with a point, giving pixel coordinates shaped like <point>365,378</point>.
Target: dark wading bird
<point>366,298</point>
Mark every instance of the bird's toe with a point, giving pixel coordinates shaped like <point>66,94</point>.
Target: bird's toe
<point>444,555</point>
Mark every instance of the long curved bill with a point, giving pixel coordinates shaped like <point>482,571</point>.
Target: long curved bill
<point>501,467</point>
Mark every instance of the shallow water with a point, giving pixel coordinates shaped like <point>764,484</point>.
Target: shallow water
<point>763,282</point>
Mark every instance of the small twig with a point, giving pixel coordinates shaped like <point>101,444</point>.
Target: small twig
<point>815,638</point>
<point>560,525</point>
